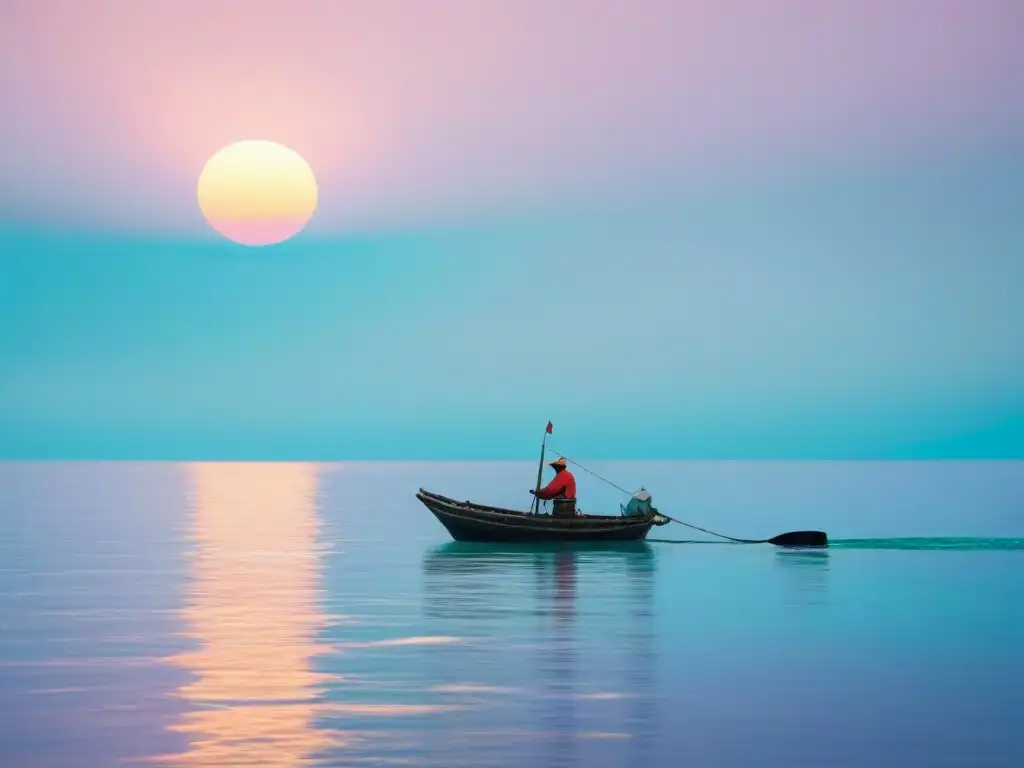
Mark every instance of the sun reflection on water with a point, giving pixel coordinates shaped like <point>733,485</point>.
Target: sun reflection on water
<point>252,606</point>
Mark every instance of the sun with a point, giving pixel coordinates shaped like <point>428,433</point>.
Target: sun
<point>257,192</point>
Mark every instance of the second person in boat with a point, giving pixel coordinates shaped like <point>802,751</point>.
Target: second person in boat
<point>562,489</point>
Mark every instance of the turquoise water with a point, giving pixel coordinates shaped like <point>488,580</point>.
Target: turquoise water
<point>300,615</point>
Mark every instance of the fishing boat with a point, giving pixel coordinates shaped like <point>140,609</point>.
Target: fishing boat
<point>469,521</point>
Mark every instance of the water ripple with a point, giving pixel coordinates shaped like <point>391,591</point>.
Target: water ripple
<point>217,615</point>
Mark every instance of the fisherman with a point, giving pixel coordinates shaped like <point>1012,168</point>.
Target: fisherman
<point>562,488</point>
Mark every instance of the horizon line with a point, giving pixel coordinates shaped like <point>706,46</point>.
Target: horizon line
<point>690,460</point>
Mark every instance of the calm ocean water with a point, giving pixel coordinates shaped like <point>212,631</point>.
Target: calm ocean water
<point>286,615</point>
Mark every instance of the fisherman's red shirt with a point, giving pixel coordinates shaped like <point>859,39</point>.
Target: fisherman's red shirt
<point>563,485</point>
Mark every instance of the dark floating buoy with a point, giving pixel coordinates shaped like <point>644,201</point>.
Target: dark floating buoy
<point>800,539</point>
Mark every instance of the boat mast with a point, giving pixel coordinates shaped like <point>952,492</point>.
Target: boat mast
<point>540,467</point>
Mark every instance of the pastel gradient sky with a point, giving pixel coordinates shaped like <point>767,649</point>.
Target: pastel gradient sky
<point>775,229</point>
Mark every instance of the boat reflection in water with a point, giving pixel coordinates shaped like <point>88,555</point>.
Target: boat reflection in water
<point>566,655</point>
<point>252,607</point>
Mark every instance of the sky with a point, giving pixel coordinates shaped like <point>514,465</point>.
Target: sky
<point>787,229</point>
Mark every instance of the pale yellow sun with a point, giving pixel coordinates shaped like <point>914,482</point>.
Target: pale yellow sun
<point>257,192</point>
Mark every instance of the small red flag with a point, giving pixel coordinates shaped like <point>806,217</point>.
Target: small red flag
<point>549,428</point>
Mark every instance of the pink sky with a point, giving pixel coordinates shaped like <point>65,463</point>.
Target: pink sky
<point>410,110</point>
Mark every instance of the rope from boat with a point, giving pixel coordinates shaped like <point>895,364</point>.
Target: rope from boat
<point>674,520</point>
<point>602,479</point>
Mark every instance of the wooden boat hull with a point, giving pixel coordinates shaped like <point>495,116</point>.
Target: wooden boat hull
<point>466,521</point>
